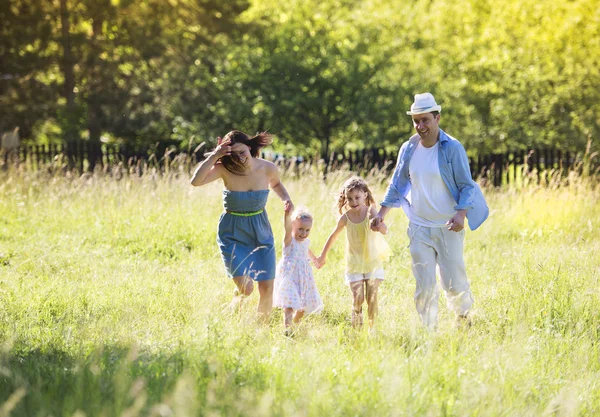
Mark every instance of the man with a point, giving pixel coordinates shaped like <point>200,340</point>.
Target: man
<point>432,182</point>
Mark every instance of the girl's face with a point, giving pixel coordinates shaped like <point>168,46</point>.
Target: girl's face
<point>301,229</point>
<point>243,151</point>
<point>355,199</point>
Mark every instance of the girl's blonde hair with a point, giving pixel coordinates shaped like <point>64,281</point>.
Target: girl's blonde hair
<point>301,213</point>
<point>354,183</point>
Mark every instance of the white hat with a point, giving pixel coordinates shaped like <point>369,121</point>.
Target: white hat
<point>424,103</point>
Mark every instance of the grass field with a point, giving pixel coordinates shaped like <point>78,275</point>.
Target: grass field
<point>113,295</point>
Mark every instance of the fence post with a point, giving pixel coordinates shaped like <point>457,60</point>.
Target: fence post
<point>350,161</point>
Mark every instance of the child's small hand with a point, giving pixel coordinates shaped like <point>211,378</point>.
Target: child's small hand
<point>321,260</point>
<point>317,264</point>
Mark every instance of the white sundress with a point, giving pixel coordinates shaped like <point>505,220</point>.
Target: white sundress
<point>295,283</point>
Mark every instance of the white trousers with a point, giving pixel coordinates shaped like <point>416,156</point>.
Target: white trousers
<point>432,247</point>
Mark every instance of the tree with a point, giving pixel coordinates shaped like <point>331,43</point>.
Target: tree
<point>314,74</point>
<point>28,83</point>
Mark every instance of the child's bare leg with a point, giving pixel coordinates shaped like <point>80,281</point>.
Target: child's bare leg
<point>265,302</point>
<point>358,295</point>
<point>298,316</point>
<point>244,289</point>
<point>288,315</point>
<point>372,290</point>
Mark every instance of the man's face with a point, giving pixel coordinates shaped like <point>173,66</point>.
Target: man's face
<point>426,125</point>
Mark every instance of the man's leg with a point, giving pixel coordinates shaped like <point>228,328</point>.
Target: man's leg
<point>423,266</point>
<point>453,274</point>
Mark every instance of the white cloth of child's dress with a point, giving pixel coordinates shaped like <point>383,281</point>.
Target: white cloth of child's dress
<point>295,283</point>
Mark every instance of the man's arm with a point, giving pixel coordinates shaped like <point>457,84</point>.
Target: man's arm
<point>464,183</point>
<point>462,178</point>
<point>377,223</point>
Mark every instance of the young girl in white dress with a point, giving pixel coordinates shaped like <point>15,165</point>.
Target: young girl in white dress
<point>295,289</point>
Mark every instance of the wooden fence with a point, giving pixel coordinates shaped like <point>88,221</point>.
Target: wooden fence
<point>497,169</point>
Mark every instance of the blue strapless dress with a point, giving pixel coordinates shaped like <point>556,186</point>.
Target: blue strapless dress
<point>246,242</point>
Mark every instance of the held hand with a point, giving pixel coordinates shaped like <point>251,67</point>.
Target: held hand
<point>376,223</point>
<point>321,260</point>
<point>383,227</point>
<point>456,223</point>
<point>317,263</point>
<point>288,206</point>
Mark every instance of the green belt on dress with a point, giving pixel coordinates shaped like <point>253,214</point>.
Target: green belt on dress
<point>252,213</point>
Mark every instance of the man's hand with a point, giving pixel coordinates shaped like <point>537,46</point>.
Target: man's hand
<point>457,222</point>
<point>376,223</point>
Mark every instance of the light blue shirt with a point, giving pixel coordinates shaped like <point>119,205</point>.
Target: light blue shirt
<point>455,171</point>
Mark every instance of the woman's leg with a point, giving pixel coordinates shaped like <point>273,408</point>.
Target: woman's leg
<point>265,301</point>
<point>244,285</point>
<point>358,296</point>
<point>372,289</point>
<point>244,288</point>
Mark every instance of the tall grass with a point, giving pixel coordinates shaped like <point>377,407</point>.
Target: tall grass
<point>113,302</point>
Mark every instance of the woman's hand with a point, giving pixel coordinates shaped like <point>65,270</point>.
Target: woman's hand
<point>288,206</point>
<point>223,148</point>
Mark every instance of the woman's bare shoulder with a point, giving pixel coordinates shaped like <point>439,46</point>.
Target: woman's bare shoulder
<point>266,164</point>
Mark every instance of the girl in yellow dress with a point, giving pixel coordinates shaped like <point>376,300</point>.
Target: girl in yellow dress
<point>366,250</point>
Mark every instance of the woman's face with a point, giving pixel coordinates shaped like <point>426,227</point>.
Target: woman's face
<point>242,151</point>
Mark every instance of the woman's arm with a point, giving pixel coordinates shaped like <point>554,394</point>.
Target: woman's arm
<point>207,171</point>
<point>331,239</point>
<point>277,186</point>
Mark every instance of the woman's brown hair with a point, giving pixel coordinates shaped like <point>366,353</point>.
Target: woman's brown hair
<point>354,183</point>
<point>233,163</point>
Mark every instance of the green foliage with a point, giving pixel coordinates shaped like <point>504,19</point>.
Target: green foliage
<point>321,75</point>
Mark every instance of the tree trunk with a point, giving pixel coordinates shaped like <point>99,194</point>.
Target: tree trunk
<point>67,67</point>
<point>93,106</point>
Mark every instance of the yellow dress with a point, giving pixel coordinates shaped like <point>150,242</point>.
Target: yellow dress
<point>366,250</point>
